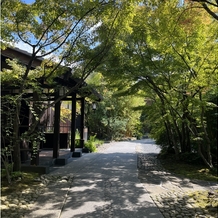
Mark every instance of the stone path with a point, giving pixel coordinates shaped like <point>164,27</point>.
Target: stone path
<point>107,184</point>
<point>169,192</point>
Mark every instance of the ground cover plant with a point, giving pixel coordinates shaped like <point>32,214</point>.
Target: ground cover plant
<point>192,170</point>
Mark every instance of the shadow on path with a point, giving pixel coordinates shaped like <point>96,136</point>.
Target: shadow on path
<point>104,185</point>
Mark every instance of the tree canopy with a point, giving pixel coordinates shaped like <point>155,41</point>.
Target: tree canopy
<point>64,33</point>
<point>172,58</point>
<point>158,51</point>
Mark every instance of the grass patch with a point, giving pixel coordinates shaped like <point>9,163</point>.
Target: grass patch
<point>19,183</point>
<point>189,170</point>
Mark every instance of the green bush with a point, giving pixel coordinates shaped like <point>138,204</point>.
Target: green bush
<point>77,143</point>
<point>98,142</point>
<point>92,143</point>
<point>161,138</point>
<point>77,139</point>
<point>90,146</point>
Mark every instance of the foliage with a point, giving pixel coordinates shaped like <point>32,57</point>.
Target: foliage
<point>21,181</point>
<point>77,139</point>
<point>158,51</point>
<point>91,144</point>
<point>69,33</point>
<point>194,170</point>
<point>205,201</point>
<point>116,116</point>
<point>7,137</point>
<point>171,60</point>
<point>98,142</point>
<point>65,114</point>
<point>210,7</point>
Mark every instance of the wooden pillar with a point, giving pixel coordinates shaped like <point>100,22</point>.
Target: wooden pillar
<point>82,122</point>
<point>56,142</point>
<point>73,122</point>
<point>24,126</point>
<point>35,151</point>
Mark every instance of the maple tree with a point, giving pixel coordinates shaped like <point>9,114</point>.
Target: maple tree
<point>170,54</point>
<point>62,32</point>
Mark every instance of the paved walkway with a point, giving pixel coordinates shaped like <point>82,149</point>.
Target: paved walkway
<point>108,185</point>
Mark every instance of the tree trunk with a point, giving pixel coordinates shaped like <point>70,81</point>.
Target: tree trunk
<point>179,136</point>
<point>207,140</point>
<point>16,152</point>
<point>188,140</point>
<point>186,145</point>
<point>172,138</point>
<point>206,161</point>
<point>4,160</point>
<point>168,136</point>
<point>210,165</point>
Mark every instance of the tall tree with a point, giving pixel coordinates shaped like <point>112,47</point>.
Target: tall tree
<point>116,116</point>
<point>63,32</point>
<point>171,56</point>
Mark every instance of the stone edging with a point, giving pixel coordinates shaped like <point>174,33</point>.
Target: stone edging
<point>172,202</point>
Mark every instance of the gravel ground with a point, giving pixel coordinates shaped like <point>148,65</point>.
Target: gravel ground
<point>172,194</point>
<point>18,204</point>
<point>103,147</point>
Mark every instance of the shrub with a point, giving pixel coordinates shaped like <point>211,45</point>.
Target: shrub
<point>91,143</point>
<point>91,146</point>
<point>77,139</point>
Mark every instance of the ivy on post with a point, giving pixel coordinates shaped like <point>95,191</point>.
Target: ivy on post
<point>36,135</point>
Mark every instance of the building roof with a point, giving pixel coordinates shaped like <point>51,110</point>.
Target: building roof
<point>65,80</point>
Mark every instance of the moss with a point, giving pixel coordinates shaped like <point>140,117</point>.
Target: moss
<point>205,200</point>
<point>188,170</point>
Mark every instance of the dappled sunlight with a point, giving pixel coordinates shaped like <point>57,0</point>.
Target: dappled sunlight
<point>126,180</point>
<point>181,203</point>
<point>102,184</point>
<point>115,192</point>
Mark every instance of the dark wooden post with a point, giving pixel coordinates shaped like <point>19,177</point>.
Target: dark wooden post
<point>35,151</point>
<point>82,122</point>
<point>56,142</point>
<point>24,125</point>
<point>73,122</point>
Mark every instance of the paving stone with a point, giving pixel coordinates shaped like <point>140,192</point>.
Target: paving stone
<point>168,192</point>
